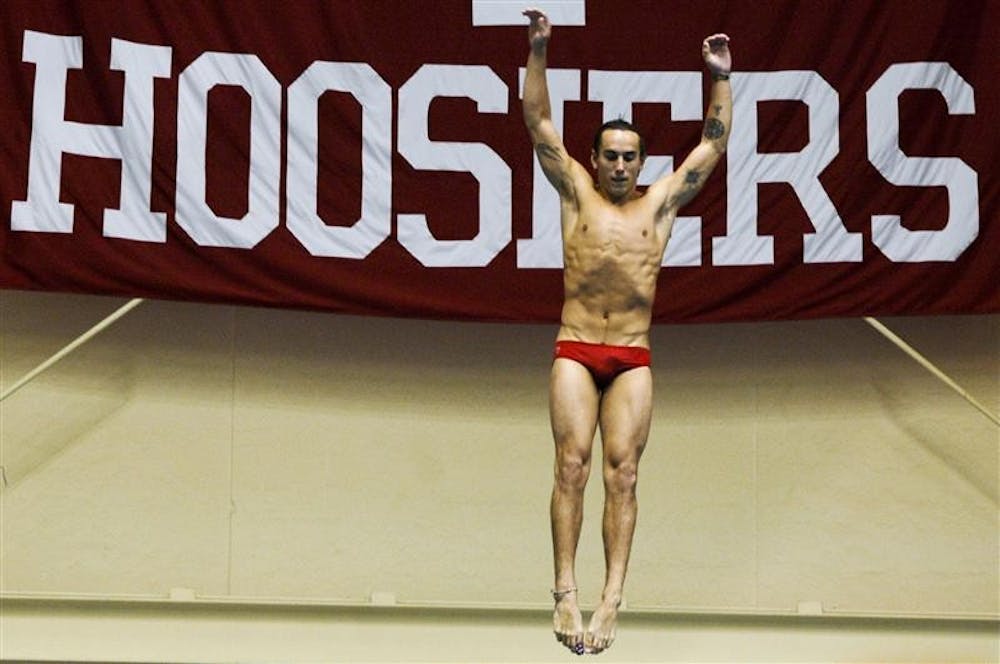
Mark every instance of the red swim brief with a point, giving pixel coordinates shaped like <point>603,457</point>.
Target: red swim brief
<point>604,362</point>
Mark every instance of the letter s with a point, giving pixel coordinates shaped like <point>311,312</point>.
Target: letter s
<point>898,243</point>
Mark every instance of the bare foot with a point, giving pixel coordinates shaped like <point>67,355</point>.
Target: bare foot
<point>567,623</point>
<point>601,632</point>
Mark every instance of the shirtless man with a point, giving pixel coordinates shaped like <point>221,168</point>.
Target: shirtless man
<point>613,242</point>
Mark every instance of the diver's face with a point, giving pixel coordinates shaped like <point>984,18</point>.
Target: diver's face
<point>618,163</point>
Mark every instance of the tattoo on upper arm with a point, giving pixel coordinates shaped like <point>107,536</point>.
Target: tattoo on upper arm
<point>692,183</point>
<point>557,167</point>
<point>714,129</point>
<point>546,151</point>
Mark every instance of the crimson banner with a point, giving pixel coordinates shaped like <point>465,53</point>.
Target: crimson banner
<point>370,157</point>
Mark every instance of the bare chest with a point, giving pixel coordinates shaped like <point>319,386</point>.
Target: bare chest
<point>609,235</point>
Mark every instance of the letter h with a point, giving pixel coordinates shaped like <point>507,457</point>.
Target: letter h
<point>52,135</point>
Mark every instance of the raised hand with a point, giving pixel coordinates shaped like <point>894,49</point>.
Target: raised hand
<point>540,29</point>
<point>715,51</point>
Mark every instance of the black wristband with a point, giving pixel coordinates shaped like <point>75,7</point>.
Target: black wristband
<point>719,76</point>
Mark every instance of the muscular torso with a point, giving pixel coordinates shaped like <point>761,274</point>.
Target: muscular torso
<point>612,255</point>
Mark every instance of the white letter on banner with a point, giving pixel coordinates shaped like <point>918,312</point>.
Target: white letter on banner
<point>193,212</point>
<point>489,92</point>
<point>544,247</point>
<point>896,242</point>
<point>619,90</point>
<point>831,243</point>
<point>375,97</point>
<point>52,135</point>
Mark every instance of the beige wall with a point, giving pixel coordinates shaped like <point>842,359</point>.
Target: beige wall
<point>250,453</point>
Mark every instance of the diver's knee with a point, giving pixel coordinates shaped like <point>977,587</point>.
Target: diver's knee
<point>621,476</point>
<point>572,470</point>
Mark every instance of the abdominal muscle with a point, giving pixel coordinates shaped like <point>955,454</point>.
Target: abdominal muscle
<point>613,329</point>
<point>611,255</point>
<point>610,273</point>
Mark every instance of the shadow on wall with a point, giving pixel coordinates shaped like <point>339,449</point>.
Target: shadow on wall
<point>62,405</point>
<point>345,362</point>
<point>33,440</point>
<point>959,445</point>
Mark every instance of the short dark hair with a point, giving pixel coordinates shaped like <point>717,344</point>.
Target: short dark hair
<point>624,125</point>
